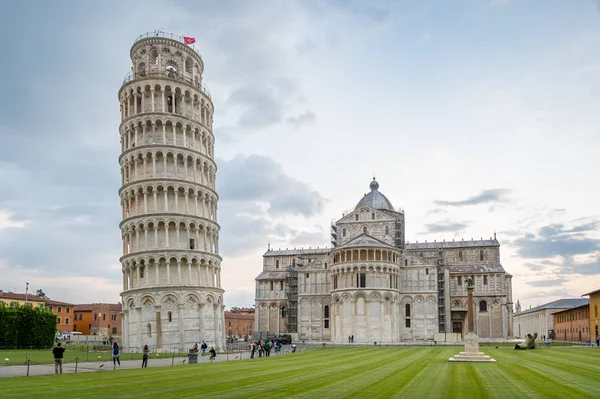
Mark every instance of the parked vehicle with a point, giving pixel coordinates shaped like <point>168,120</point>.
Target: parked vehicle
<point>284,339</point>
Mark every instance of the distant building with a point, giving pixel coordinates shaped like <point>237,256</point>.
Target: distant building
<point>99,319</point>
<point>572,325</point>
<point>239,324</point>
<point>12,299</point>
<point>540,319</point>
<point>375,286</point>
<point>594,314</point>
<point>64,314</point>
<point>83,319</point>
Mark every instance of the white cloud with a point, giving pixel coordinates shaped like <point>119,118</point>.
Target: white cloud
<point>7,222</point>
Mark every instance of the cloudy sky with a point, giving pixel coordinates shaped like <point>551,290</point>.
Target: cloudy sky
<point>476,116</point>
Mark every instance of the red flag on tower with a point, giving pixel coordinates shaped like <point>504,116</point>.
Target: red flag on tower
<point>189,40</point>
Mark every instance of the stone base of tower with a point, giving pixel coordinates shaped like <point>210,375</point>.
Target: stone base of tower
<point>173,321</point>
<point>471,353</point>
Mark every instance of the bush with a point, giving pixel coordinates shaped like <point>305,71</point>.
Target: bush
<point>25,326</point>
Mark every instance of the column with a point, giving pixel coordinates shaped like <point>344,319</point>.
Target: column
<point>176,200</point>
<point>164,126</point>
<point>153,165</point>
<point>381,316</point>
<point>179,270</point>
<point>185,198</point>
<point>155,237</point>
<point>162,92</point>
<point>157,278</point>
<point>152,94</point>
<point>184,131</point>
<point>145,201</point>
<point>165,191</point>
<point>181,327</point>
<point>190,272</point>
<point>178,244</point>
<point>168,272</point>
<point>155,196</point>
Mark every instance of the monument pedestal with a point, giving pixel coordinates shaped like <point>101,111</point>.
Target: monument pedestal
<point>471,353</point>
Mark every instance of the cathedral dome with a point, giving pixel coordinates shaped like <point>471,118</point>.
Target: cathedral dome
<point>375,199</point>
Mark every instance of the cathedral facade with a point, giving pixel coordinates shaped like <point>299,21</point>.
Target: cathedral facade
<point>375,286</point>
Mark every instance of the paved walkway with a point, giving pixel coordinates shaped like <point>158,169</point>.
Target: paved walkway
<point>82,367</point>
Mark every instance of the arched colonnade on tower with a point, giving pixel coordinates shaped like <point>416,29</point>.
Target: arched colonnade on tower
<point>169,232</point>
<point>173,98</point>
<point>171,270</point>
<point>170,131</point>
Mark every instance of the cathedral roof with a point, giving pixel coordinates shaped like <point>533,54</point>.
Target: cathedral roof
<point>493,268</point>
<point>297,252</point>
<point>365,240</point>
<point>375,199</point>
<point>269,275</point>
<point>452,244</point>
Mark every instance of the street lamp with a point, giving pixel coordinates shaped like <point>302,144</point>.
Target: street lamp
<point>26,292</point>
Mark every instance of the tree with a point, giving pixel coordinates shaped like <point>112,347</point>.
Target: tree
<point>41,293</point>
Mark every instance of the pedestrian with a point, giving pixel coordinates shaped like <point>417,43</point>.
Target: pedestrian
<point>195,348</point>
<point>58,351</point>
<point>213,354</point>
<point>598,340</point>
<point>349,339</point>
<point>115,354</point>
<point>145,356</point>
<point>352,338</point>
<point>253,349</point>
<point>267,349</point>
<point>203,347</point>
<point>260,348</point>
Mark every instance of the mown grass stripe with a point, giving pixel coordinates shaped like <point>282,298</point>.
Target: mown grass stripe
<point>341,373</point>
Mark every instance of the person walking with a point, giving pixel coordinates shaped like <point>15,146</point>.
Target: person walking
<point>58,352</point>
<point>213,354</point>
<point>115,354</point>
<point>598,340</point>
<point>145,356</point>
<point>253,350</point>
<point>203,347</point>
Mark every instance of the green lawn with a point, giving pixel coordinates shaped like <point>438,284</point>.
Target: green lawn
<point>44,356</point>
<point>341,373</point>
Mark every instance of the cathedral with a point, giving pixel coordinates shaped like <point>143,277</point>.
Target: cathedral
<point>372,285</point>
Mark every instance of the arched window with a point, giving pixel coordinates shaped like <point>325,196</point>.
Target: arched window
<point>420,254</point>
<point>188,65</point>
<point>277,264</point>
<point>483,306</point>
<point>365,231</point>
<point>387,230</point>
<point>372,215</point>
<point>142,271</point>
<point>154,56</point>
<point>141,69</point>
<point>170,316</point>
<point>405,262</point>
<point>356,217</point>
<point>171,71</point>
<point>344,232</point>
<point>459,255</point>
<point>407,310</point>
<point>283,311</point>
<point>481,254</point>
<point>326,316</point>
<point>149,330</point>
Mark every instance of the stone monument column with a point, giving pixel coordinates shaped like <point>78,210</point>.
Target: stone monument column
<point>471,352</point>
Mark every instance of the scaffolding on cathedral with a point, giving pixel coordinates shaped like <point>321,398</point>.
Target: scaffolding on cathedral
<point>291,290</point>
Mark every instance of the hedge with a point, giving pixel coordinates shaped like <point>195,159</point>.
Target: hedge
<point>26,327</point>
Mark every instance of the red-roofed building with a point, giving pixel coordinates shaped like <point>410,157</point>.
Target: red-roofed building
<point>239,324</point>
<point>13,299</point>
<point>64,314</point>
<point>83,319</point>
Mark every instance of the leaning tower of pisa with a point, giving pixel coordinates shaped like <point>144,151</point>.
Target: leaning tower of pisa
<point>172,294</point>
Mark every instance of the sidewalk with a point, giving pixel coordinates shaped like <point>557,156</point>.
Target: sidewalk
<point>107,366</point>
